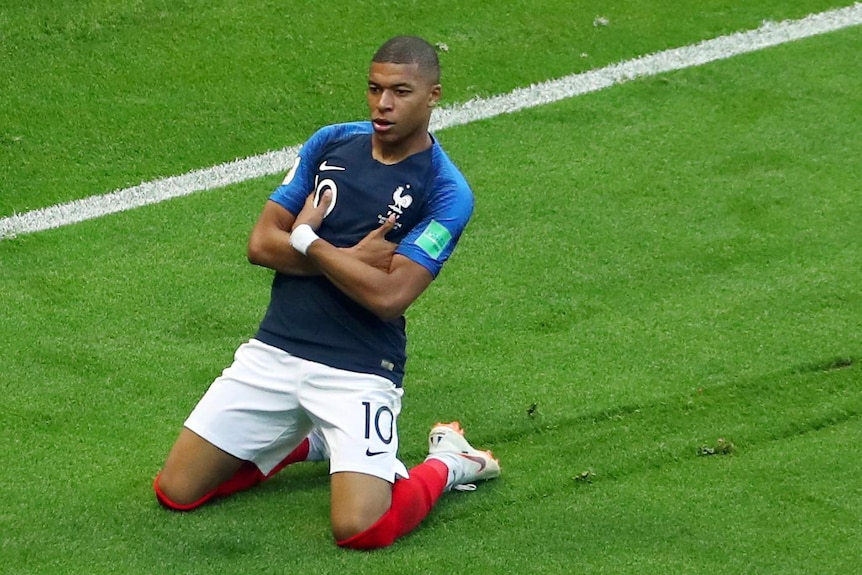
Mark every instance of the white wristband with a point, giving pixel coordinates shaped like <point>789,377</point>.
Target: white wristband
<point>301,237</point>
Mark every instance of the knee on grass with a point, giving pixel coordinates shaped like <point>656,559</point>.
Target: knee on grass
<point>360,531</point>
<point>172,496</point>
<point>344,528</point>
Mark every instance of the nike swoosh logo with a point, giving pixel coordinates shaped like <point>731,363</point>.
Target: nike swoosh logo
<point>370,453</point>
<point>474,459</point>
<point>324,167</point>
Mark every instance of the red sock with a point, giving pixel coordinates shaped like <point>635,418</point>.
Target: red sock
<point>298,455</point>
<point>412,499</point>
<point>247,476</point>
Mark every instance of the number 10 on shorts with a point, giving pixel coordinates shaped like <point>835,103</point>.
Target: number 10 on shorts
<point>382,421</point>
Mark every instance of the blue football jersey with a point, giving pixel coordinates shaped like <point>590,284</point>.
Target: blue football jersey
<point>308,316</point>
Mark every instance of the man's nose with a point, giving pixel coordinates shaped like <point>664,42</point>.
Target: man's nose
<point>385,101</point>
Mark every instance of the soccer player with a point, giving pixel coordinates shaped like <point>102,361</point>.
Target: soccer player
<point>359,228</point>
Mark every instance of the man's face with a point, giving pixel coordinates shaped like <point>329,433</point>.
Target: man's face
<point>400,100</point>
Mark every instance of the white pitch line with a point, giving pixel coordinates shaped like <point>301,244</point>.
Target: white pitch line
<point>768,35</point>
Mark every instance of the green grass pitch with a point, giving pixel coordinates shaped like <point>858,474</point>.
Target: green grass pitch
<point>654,319</point>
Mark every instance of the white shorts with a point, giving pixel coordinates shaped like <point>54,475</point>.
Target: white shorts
<point>263,406</point>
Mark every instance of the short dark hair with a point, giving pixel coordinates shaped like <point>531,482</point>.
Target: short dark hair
<point>410,50</point>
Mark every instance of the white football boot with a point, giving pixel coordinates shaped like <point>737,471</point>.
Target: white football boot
<point>466,465</point>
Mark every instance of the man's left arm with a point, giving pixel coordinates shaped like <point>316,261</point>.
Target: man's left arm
<point>387,294</point>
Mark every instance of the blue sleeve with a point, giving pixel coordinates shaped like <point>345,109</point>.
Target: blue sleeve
<point>299,181</point>
<point>432,240</point>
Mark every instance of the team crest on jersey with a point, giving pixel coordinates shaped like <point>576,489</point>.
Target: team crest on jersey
<point>401,200</point>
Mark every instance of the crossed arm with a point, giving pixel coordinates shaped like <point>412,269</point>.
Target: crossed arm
<point>370,272</point>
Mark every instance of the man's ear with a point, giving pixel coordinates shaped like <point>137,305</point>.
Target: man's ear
<point>435,95</point>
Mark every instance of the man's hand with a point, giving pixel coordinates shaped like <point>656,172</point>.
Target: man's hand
<point>311,214</point>
<point>374,249</point>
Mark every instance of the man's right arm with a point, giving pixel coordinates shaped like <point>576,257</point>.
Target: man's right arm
<point>269,243</point>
